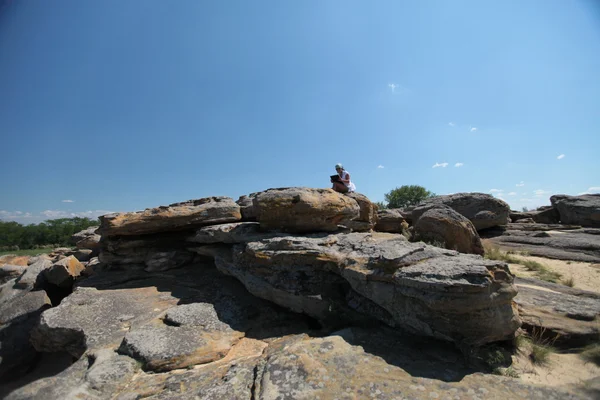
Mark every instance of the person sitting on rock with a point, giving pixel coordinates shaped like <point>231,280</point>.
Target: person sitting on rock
<point>341,181</point>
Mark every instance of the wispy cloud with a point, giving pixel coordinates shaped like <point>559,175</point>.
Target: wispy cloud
<point>392,86</point>
<point>443,165</point>
<point>451,124</point>
<point>591,190</point>
<point>560,157</point>
<point>496,190</point>
<point>473,129</point>
<point>380,166</point>
<point>512,194</point>
<point>458,164</point>
<point>68,201</point>
<point>520,184</point>
<point>540,192</point>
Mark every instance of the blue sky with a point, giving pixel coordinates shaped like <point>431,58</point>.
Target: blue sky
<point>121,105</point>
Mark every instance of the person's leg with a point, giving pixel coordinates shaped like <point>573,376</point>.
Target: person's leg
<point>340,187</point>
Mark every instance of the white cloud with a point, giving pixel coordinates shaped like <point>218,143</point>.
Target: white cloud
<point>496,190</point>
<point>393,86</point>
<point>560,157</point>
<point>443,165</point>
<point>451,124</point>
<point>458,164</point>
<point>473,129</point>
<point>380,166</point>
<point>520,184</point>
<point>512,194</point>
<point>540,192</point>
<point>68,201</point>
<point>591,190</point>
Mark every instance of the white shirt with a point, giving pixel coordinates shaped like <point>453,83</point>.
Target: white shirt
<point>350,185</point>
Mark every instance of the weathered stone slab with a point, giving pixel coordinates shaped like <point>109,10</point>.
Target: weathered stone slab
<point>164,348</point>
<point>92,319</point>
<point>421,288</point>
<point>237,232</point>
<point>177,216</point>
<point>565,316</point>
<point>572,244</point>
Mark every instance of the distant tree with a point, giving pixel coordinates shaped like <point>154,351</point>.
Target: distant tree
<point>52,232</point>
<point>407,195</point>
<point>525,209</point>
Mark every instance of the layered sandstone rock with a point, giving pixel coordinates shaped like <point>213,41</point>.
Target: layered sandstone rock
<point>341,278</point>
<point>302,210</point>
<point>177,216</point>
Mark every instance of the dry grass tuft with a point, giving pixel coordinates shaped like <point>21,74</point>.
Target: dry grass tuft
<point>542,272</point>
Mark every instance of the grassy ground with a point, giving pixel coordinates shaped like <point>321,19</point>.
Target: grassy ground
<point>29,252</point>
<point>541,271</point>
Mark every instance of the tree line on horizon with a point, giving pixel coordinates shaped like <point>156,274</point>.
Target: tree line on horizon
<point>51,233</point>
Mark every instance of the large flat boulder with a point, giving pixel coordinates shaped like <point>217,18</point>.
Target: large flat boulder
<point>339,278</point>
<point>153,252</point>
<point>177,216</point>
<point>237,232</point>
<point>581,210</point>
<point>483,210</point>
<point>194,335</point>
<point>302,210</point>
<point>550,241</point>
<point>91,319</point>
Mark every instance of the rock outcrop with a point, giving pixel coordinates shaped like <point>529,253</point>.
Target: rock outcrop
<point>347,278</point>
<point>177,216</point>
<point>483,210</point>
<point>442,225</point>
<point>581,210</point>
<point>255,300</point>
<point>561,242</point>
<point>563,316</point>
